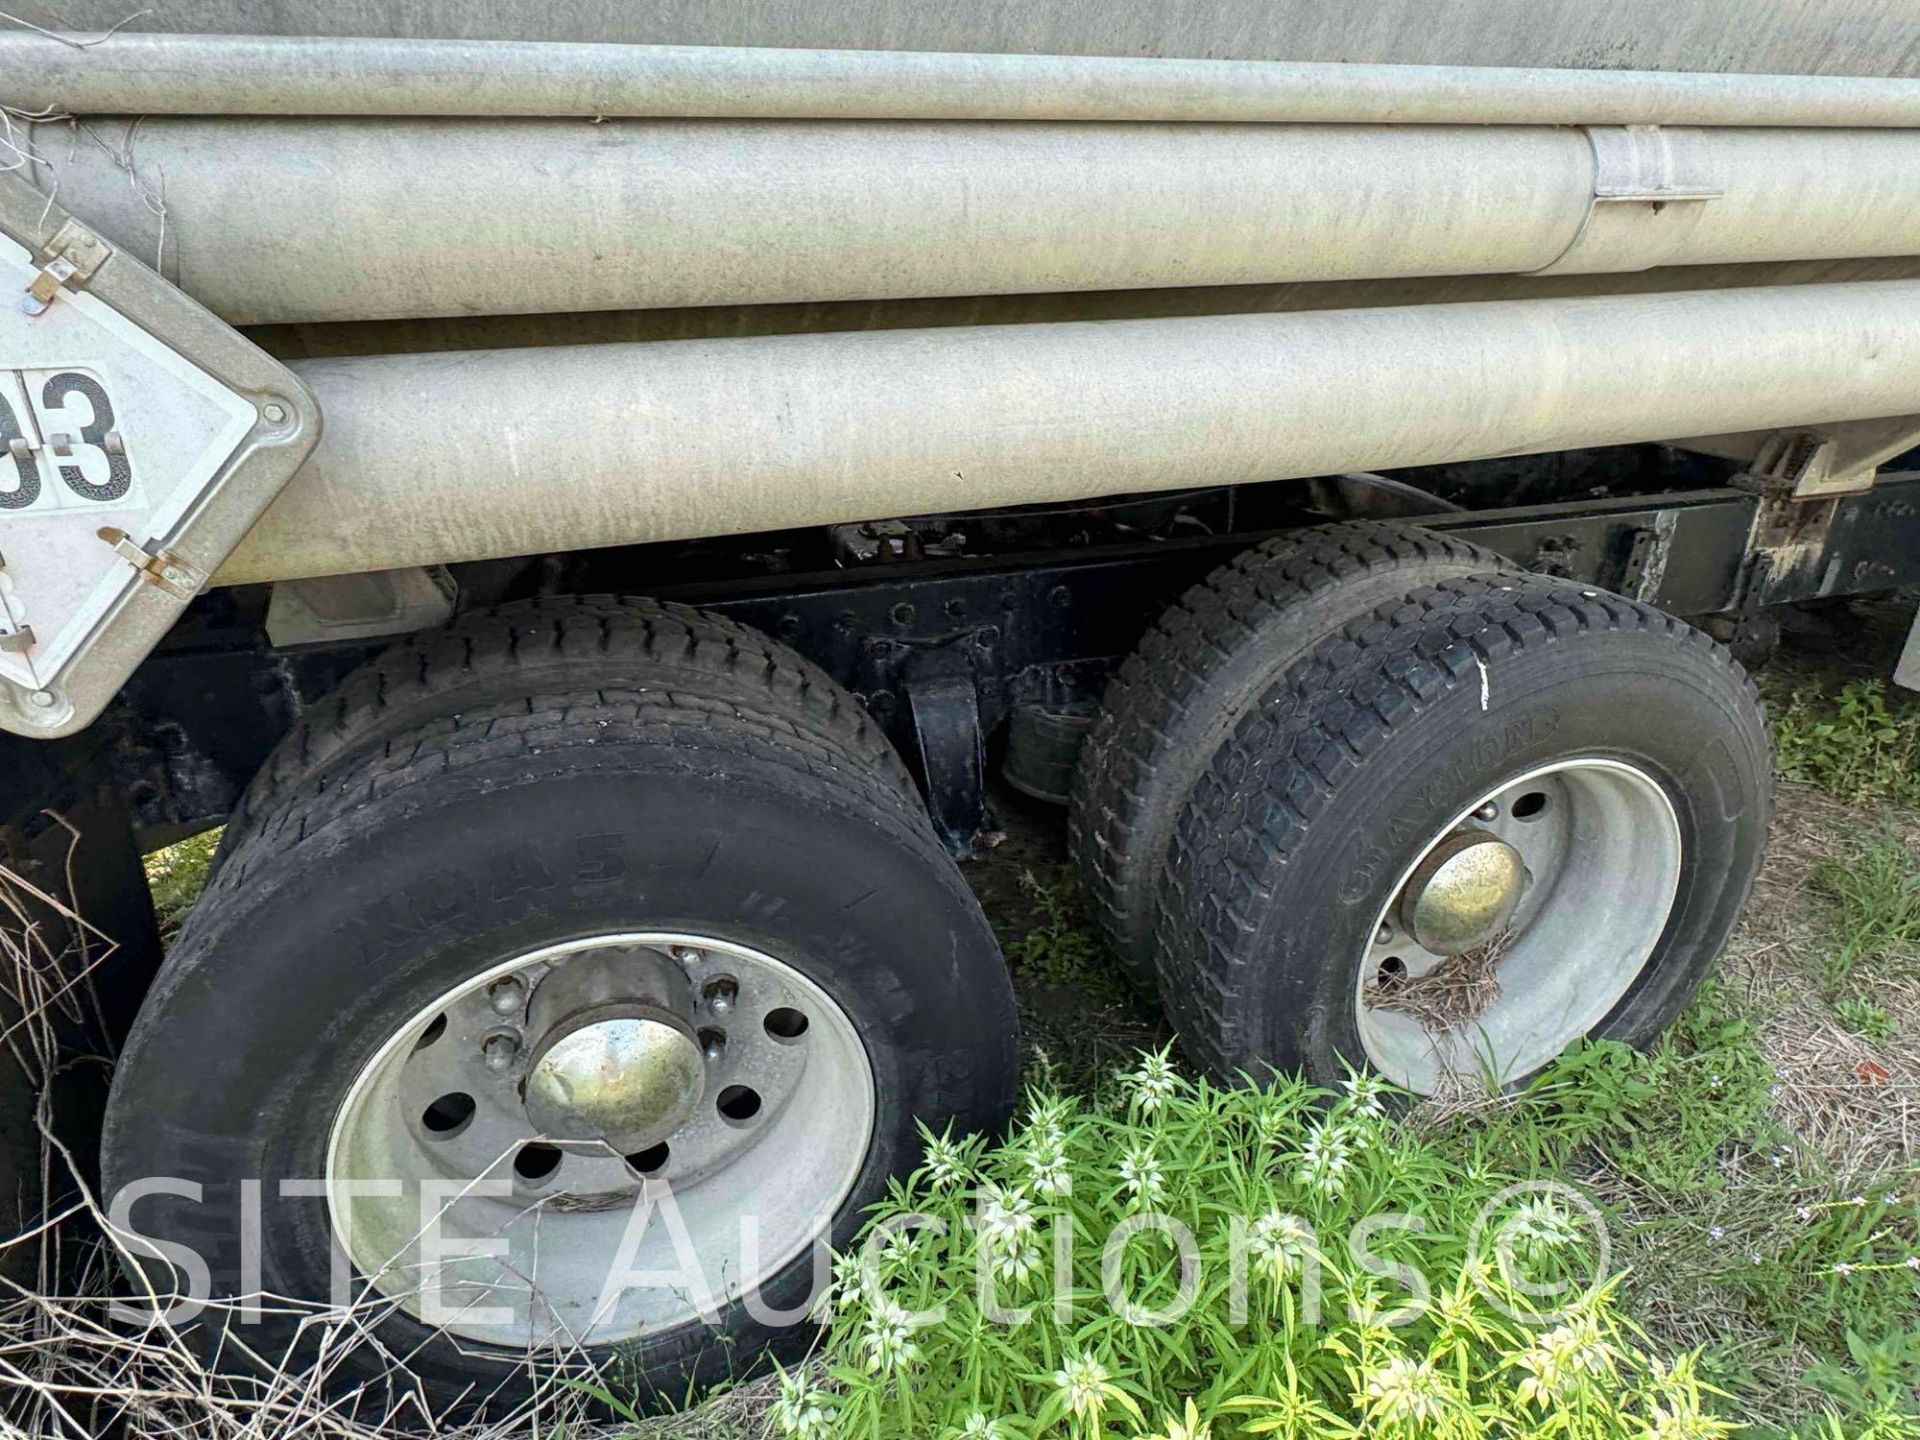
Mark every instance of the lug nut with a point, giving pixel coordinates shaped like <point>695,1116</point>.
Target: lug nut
<point>713,1044</point>
<point>500,1051</point>
<point>1384,935</point>
<point>685,955</point>
<point>507,996</point>
<point>1487,812</point>
<point>720,993</point>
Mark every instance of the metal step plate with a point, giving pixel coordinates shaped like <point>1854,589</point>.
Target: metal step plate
<point>140,438</point>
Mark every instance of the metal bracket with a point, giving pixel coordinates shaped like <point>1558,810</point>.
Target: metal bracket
<point>157,567</point>
<point>66,261</point>
<point>1648,183</point>
<point>1828,460</point>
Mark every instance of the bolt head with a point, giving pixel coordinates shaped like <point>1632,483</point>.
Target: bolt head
<point>44,699</point>
<point>29,305</point>
<point>276,414</point>
<point>500,1051</point>
<point>507,996</point>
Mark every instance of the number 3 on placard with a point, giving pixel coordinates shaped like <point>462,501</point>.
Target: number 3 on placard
<point>74,420</point>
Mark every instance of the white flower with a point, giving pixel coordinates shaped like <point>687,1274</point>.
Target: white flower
<point>1323,1159</point>
<point>1716,1232</point>
<point>887,1346</point>
<point>1281,1242</point>
<point>1153,1082</point>
<point>1842,1268</point>
<point>1540,1226</point>
<point>1141,1175</point>
<point>849,1286</point>
<point>946,1163</point>
<point>1367,1091</point>
<point>1562,1358</point>
<point>1006,1215</point>
<point>979,1427</point>
<point>1048,1165</point>
<point>1015,1262</point>
<point>1405,1390</point>
<point>1912,1262</point>
<point>1085,1382</point>
<point>800,1410</point>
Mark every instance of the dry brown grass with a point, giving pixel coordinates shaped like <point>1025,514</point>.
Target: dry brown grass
<point>1855,1099</point>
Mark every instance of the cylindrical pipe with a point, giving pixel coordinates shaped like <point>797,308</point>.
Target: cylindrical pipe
<point>301,220</point>
<point>444,458</point>
<point>289,75</point>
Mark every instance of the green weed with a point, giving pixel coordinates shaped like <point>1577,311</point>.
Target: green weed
<point>1854,745</point>
<point>1875,894</point>
<point>177,874</point>
<point>1863,1017</point>
<point>1059,948</point>
<point>1163,1333</point>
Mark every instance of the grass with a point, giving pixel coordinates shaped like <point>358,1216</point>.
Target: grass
<point>1874,892</point>
<point>1861,743</point>
<point>176,876</point>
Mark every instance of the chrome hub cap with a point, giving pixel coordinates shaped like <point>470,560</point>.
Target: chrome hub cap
<point>1520,925</point>
<point>534,1158</point>
<point>629,1081</point>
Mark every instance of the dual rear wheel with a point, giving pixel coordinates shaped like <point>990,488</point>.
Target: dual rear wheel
<point>584,911</point>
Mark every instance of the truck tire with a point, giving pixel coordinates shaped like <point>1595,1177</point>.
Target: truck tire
<point>603,948</point>
<point>528,647</point>
<point>1492,818</point>
<point>1197,671</point>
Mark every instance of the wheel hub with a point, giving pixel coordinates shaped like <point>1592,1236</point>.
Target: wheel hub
<point>1463,894</point>
<point>630,1080</point>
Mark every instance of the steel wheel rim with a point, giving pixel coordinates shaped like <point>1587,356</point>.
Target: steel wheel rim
<point>750,1187</point>
<point>1602,847</point>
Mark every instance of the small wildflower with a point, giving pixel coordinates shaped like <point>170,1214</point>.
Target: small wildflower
<point>849,1286</point>
<point>1367,1091</point>
<point>946,1163</point>
<point>979,1427</point>
<point>1140,1173</point>
<point>1858,1201</point>
<point>1716,1232</point>
<point>1006,1215</point>
<point>1753,1257</point>
<point>1842,1268</point>
<point>1047,1163</point>
<point>1323,1160</point>
<point>1912,1262</point>
<point>1776,1161</point>
<point>1280,1242</point>
<point>888,1346</point>
<point>1017,1263</point>
<point>800,1410</point>
<point>1406,1390</point>
<point>1085,1383</point>
<point>1539,1226</point>
<point>1562,1359</point>
<point>1804,1213</point>
<point>1153,1082</point>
